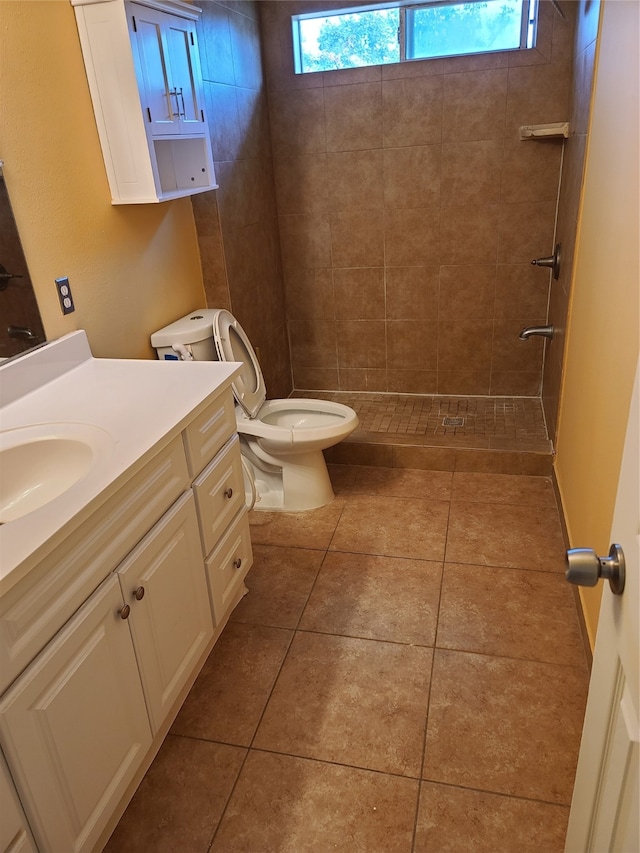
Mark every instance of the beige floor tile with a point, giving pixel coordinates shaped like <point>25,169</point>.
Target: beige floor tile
<point>283,804</point>
<point>180,800</point>
<point>503,488</point>
<point>451,820</point>
<point>393,527</point>
<point>510,612</point>
<point>229,695</point>
<point>312,529</point>
<point>403,483</point>
<point>351,701</point>
<point>527,537</point>
<point>342,477</point>
<point>506,726</point>
<point>380,598</point>
<point>279,584</point>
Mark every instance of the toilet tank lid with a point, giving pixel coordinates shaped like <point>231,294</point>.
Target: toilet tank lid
<point>196,326</point>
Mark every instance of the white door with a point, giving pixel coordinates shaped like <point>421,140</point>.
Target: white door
<point>604,811</point>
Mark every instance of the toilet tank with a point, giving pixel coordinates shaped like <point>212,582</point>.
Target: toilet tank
<point>193,333</point>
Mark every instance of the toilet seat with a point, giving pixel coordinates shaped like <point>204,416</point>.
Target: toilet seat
<point>232,344</point>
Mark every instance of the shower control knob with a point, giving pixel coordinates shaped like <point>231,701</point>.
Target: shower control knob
<point>585,568</point>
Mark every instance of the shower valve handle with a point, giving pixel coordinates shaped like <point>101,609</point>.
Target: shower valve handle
<point>552,262</point>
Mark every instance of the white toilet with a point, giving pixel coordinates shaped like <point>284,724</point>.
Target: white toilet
<point>281,440</point>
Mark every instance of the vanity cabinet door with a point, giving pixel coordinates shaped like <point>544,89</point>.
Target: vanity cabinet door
<point>168,71</point>
<point>74,726</point>
<point>15,835</point>
<point>164,583</point>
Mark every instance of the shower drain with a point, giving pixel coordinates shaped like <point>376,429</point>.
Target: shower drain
<point>453,422</point>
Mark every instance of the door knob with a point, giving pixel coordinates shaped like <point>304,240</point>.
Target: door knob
<point>585,568</point>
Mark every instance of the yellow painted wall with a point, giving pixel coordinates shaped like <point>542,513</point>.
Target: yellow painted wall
<point>602,333</point>
<point>132,268</point>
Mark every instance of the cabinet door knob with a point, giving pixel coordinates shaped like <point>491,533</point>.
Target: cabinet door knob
<point>237,563</point>
<point>228,493</point>
<point>124,612</point>
<point>139,593</point>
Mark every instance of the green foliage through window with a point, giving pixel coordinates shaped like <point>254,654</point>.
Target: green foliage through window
<point>380,35</point>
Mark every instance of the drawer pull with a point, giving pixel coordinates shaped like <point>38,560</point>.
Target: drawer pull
<point>139,593</point>
<point>124,612</point>
<point>237,563</point>
<point>228,493</point>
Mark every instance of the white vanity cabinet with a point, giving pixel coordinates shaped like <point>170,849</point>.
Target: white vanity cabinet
<point>95,683</point>
<point>145,79</point>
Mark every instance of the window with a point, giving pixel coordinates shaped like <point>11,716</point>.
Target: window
<point>400,32</point>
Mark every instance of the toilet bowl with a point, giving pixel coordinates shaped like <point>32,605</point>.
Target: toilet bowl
<point>282,440</point>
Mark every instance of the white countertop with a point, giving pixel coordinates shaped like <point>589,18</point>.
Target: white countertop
<point>141,404</point>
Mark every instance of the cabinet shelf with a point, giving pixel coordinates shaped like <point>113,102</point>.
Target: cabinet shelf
<point>143,70</point>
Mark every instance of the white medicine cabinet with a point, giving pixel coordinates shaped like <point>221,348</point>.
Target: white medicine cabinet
<point>144,75</point>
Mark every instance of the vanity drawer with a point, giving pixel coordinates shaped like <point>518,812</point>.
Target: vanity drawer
<point>37,607</point>
<point>219,493</point>
<point>228,565</point>
<point>207,433</point>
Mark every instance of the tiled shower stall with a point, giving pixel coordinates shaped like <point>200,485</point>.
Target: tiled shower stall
<point>374,227</point>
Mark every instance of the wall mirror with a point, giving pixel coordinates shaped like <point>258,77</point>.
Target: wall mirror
<point>20,323</point>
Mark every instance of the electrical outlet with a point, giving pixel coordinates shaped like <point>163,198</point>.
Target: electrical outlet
<point>64,295</point>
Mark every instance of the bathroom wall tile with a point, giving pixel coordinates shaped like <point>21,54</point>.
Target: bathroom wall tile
<point>355,453</point>
<point>301,183</point>
<point>412,236</point>
<point>277,50</point>
<point>583,74</point>
<point>350,76</point>
<point>361,343</point>
<point>223,119</point>
<point>466,342</point>
<point>362,379</point>
<point>376,598</point>
<point>312,529</point>
<point>354,180</point>
<point>538,95</point>
<point>424,458</point>
<point>214,43</point>
<point>453,819</point>
<point>415,68</point>
<point>526,231</point>
<point>245,50</point>
<point>521,291</point>
<point>412,176</point>
<point>313,343</point>
<point>489,718</point>
<point>274,791</point>
<point>359,293</point>
<point>309,294</point>
<point>412,344</point>
<point>474,105</point>
<point>412,111</point>
<point>353,116</point>
<point>357,239</point>
<point>315,378</point>
<point>253,119</point>
<point>181,798</point>
<point>467,292</point>
<point>587,19</point>
<point>214,275</point>
<point>471,172</point>
<point>412,381</point>
<point>475,62</point>
<point>523,161</point>
<point>469,234</point>
<point>515,383</point>
<point>412,293</point>
<point>367,709</point>
<point>394,527</point>
<point>297,122</point>
<point>505,535</point>
<point>537,621</point>
<point>228,698</point>
<point>512,354</point>
<point>464,381</point>
<point>279,584</point>
<point>305,240</point>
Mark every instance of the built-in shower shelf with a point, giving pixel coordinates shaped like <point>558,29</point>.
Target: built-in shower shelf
<point>555,130</point>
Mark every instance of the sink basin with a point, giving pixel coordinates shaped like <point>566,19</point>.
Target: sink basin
<point>39,463</point>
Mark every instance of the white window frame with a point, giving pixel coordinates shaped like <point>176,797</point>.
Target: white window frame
<point>528,28</point>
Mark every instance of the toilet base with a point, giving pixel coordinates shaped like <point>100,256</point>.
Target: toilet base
<point>301,483</point>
